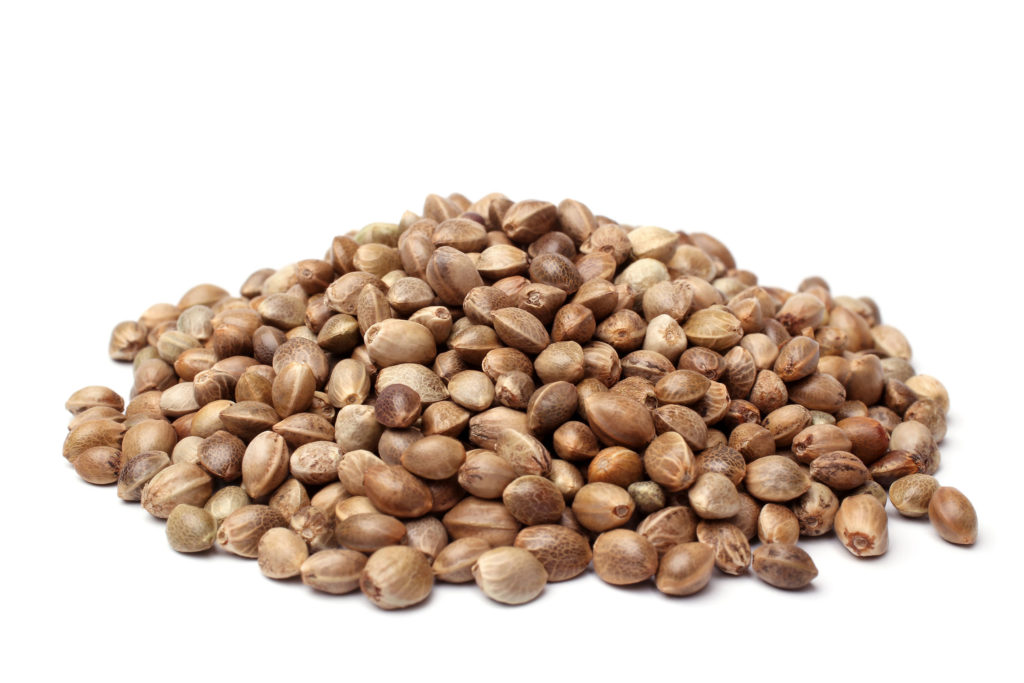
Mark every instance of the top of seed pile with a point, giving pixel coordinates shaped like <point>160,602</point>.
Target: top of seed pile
<point>507,392</point>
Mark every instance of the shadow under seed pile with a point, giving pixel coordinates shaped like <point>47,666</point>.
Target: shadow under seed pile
<point>508,392</point>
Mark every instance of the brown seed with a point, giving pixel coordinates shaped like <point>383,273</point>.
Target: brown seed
<point>397,406</point>
<point>314,527</point>
<point>616,465</point>
<point>896,464</point>
<point>564,553</point>
<point>92,396</point>
<point>713,496</point>
<point>396,577</point>
<point>434,457</point>
<point>784,565</point>
<point>486,519</point>
<point>669,462</point>
<point>551,406</point>
<point>911,495</point>
<point>265,464</point>
<point>601,506</point>
<point>818,440</point>
<point>798,358</point>
<point>862,527</point>
<point>732,549</point>
<point>316,462</point>
<point>527,220</point>
<point>240,532</point>
<point>533,500</point>
<point>280,553</point>
<point>668,527</point>
<point>869,439</point>
<point>953,516</point>
<point>176,484</point>
<point>786,422</point>
<point>221,455</point>
<point>509,575</point>
<point>455,562</point>
<point>840,470</point>
<point>520,330</point>
<point>618,421</point>
<point>292,389</point>
<point>138,471</point>
<point>333,571</point>
<point>816,510</point>
<point>395,491</point>
<point>98,465</point>
<point>623,557</point>
<point>682,387</point>
<point>724,460</point>
<point>777,524</point>
<point>776,479</point>
<point>289,498</point>
<point>486,427</point>
<point>396,341</point>
<point>190,529</point>
<point>686,422</point>
<point>752,441</point>
<point>368,532</point>
<point>524,453</point>
<point>685,568</point>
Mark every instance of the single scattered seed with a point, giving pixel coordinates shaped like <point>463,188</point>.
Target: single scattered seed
<point>953,516</point>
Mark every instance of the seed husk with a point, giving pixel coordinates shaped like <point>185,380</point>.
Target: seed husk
<point>784,565</point>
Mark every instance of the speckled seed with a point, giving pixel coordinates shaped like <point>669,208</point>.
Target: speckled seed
<point>623,557</point>
<point>669,462</point>
<point>486,519</point>
<point>532,499</point>
<point>98,465</point>
<point>510,575</point>
<point>816,510</point>
<point>953,516</point>
<point>685,568</point>
<point>397,406</point>
<point>280,553</point>
<point>784,565</point>
<point>240,532</point>
<point>911,495</point>
<point>396,577</point>
<point>137,472</point>
<point>190,529</point>
<point>333,571</point>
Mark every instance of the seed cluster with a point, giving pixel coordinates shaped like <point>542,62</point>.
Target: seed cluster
<point>508,392</point>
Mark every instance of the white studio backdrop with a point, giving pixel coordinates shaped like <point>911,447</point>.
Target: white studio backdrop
<point>146,147</point>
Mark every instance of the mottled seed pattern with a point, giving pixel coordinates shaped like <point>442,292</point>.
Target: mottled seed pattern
<point>510,393</point>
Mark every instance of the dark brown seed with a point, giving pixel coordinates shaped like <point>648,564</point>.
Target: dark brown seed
<point>397,406</point>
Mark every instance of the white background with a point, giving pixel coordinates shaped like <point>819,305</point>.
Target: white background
<point>145,147</point>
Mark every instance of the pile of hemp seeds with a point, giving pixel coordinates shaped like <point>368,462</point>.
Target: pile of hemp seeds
<point>508,393</point>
